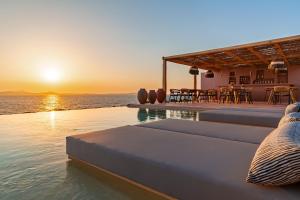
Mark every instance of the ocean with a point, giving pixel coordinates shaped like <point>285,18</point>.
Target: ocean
<point>34,163</point>
<point>53,102</point>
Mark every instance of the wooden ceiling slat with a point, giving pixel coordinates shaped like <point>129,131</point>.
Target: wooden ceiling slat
<point>237,58</point>
<point>213,67</point>
<point>257,55</point>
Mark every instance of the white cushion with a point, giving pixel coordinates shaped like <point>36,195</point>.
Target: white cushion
<point>289,118</point>
<point>277,159</point>
<point>295,107</point>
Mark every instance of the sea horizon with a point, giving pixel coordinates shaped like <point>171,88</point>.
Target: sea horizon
<point>38,102</point>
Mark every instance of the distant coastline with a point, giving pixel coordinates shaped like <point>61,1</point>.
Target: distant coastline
<point>25,93</point>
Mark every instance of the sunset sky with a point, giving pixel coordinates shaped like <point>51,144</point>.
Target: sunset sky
<point>115,46</point>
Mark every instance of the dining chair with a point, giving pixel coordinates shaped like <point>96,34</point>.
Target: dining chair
<point>174,95</point>
<point>202,95</point>
<point>212,95</point>
<point>279,92</point>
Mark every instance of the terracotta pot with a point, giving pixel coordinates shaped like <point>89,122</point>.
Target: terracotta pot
<point>142,96</point>
<point>161,95</point>
<point>152,96</point>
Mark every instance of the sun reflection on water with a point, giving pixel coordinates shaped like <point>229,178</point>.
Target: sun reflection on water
<point>52,116</point>
<point>51,102</point>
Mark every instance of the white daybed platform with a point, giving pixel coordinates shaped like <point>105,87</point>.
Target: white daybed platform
<point>183,159</point>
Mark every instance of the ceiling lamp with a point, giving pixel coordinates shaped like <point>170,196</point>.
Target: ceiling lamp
<point>276,65</point>
<point>194,71</point>
<point>209,74</point>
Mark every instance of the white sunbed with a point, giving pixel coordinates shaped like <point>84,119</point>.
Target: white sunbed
<point>183,159</point>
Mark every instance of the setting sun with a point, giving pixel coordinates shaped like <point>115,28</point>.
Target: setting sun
<point>51,73</point>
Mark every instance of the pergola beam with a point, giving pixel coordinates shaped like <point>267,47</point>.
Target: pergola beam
<point>280,52</point>
<point>213,67</point>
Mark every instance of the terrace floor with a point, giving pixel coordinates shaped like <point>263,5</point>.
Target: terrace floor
<point>211,105</point>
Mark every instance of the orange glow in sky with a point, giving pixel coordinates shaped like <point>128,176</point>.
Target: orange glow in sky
<point>117,47</point>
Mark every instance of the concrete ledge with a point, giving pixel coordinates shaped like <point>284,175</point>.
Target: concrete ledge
<point>181,165</point>
<point>213,106</point>
<point>166,106</point>
<point>134,189</point>
<point>267,117</point>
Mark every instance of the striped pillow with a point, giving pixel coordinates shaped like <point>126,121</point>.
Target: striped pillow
<point>295,107</point>
<point>277,159</point>
<point>289,118</point>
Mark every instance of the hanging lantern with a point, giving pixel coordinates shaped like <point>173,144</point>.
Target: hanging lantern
<point>194,71</point>
<point>209,74</point>
<point>276,65</point>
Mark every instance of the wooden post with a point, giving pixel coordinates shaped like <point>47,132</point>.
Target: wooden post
<point>195,87</point>
<point>195,82</point>
<point>164,76</point>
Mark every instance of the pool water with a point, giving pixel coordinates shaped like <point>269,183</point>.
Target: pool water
<point>33,160</point>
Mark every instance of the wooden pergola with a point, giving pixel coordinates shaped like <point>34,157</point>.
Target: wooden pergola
<point>258,54</point>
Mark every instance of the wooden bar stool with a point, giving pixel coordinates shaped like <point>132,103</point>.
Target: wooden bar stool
<point>267,93</point>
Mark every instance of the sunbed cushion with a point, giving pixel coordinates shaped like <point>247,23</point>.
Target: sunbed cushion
<point>227,131</point>
<point>277,159</point>
<point>247,117</point>
<point>289,118</point>
<point>295,107</point>
<point>181,165</point>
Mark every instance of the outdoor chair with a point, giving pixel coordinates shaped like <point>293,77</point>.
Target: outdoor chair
<point>243,95</point>
<point>280,92</point>
<point>174,95</point>
<point>202,95</point>
<point>193,94</point>
<point>185,95</point>
<point>212,95</point>
<point>226,95</point>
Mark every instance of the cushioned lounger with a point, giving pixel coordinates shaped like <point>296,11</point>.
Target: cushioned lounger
<point>235,132</point>
<point>185,166</point>
<point>247,117</point>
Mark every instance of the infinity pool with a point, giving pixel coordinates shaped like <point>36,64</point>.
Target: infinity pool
<point>33,161</point>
